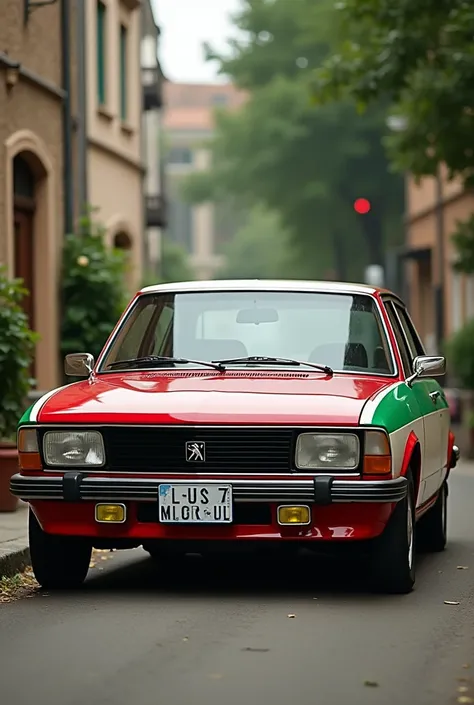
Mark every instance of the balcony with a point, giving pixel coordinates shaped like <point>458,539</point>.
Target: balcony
<point>155,211</point>
<point>152,95</point>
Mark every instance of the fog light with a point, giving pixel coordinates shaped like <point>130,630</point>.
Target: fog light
<point>110,513</point>
<point>294,515</point>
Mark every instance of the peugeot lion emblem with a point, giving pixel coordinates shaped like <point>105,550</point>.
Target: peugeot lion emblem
<point>195,451</point>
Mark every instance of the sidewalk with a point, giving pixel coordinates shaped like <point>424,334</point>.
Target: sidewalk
<point>14,552</point>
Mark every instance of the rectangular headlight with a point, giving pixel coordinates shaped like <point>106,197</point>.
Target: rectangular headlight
<point>323,451</point>
<point>79,449</point>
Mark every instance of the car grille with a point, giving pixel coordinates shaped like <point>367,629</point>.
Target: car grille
<point>155,449</point>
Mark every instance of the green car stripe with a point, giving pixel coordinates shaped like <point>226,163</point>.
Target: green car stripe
<point>25,419</point>
<point>403,404</point>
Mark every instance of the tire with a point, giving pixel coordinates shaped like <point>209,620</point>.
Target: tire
<point>393,553</point>
<point>59,562</point>
<point>432,533</point>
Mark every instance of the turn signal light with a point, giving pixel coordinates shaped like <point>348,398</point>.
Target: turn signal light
<point>28,452</point>
<point>294,516</point>
<point>377,458</point>
<point>110,513</point>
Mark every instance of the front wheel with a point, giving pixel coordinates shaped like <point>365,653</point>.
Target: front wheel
<point>59,562</point>
<point>393,556</point>
<point>433,527</point>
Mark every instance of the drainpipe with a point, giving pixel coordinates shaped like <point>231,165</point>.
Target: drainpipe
<point>81,37</point>
<point>67,117</point>
<point>439,288</point>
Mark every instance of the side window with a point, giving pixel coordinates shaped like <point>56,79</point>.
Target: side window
<point>409,329</point>
<point>405,351</point>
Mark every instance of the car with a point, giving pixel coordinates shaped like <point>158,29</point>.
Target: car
<point>256,414</point>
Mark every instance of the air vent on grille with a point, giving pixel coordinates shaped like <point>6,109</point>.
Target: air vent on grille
<point>229,374</point>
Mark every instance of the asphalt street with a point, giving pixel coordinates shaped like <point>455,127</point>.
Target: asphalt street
<point>306,632</point>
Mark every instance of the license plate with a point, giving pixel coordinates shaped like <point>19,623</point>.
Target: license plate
<point>195,504</point>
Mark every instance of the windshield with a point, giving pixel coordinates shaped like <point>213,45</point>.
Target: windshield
<point>340,330</point>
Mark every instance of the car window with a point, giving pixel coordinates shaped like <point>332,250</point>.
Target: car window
<point>405,351</point>
<point>340,330</point>
<point>416,346</point>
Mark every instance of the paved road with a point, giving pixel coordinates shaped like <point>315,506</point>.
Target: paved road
<point>225,638</point>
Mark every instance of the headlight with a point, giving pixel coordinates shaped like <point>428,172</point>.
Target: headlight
<point>321,451</point>
<point>74,448</point>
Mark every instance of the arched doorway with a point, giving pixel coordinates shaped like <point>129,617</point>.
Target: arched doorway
<point>24,205</point>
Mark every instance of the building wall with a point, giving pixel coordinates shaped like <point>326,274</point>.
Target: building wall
<point>422,216</point>
<point>188,124</point>
<point>115,169</point>
<point>31,125</point>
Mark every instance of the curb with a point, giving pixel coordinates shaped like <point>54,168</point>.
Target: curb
<point>13,561</point>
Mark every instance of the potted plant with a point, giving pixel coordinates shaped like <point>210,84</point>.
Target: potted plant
<point>17,346</point>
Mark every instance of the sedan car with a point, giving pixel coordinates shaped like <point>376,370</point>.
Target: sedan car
<point>243,413</point>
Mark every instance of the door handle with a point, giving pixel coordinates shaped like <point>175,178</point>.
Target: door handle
<point>434,396</point>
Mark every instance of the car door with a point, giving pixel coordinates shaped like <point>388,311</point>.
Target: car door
<point>435,409</point>
<point>428,457</point>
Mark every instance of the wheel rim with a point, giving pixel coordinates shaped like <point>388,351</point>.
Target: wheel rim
<point>410,534</point>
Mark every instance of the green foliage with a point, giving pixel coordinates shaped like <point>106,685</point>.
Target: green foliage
<point>93,289</point>
<point>463,240</point>
<point>304,161</point>
<point>419,55</point>
<point>175,266</point>
<point>460,350</point>
<point>17,347</point>
<point>260,250</point>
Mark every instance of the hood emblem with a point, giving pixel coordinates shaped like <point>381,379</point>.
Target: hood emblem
<point>195,451</point>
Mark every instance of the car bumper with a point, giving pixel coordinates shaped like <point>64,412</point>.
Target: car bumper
<point>76,487</point>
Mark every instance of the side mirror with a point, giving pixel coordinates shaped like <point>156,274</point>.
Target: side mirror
<point>78,364</point>
<point>428,366</point>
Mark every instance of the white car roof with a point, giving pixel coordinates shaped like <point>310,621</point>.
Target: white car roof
<point>261,285</point>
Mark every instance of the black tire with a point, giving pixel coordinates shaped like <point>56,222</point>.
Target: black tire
<point>393,553</point>
<point>59,562</point>
<point>432,532</point>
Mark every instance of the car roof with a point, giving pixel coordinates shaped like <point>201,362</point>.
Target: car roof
<point>264,285</point>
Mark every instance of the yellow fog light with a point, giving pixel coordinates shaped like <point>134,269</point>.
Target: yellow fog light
<point>110,513</point>
<point>294,515</point>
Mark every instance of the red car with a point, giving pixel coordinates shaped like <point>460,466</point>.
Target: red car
<point>258,413</point>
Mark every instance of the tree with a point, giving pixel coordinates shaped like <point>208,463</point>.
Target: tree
<point>260,250</point>
<point>306,162</point>
<point>418,55</point>
<point>174,266</point>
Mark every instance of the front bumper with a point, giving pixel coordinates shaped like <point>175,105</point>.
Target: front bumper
<point>77,486</point>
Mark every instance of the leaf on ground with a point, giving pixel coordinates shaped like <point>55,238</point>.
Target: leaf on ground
<point>92,564</point>
<point>291,616</point>
<point>463,567</point>
<point>463,689</point>
<point>466,665</point>
<point>450,602</point>
<point>465,699</point>
<point>371,684</point>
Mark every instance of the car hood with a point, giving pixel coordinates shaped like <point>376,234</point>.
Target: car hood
<point>195,397</point>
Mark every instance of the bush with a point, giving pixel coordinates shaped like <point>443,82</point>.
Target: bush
<point>460,350</point>
<point>93,289</point>
<point>17,349</point>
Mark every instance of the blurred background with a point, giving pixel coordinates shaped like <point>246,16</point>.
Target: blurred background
<point>144,141</point>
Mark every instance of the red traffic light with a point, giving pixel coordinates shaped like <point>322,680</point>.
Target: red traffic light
<point>362,206</point>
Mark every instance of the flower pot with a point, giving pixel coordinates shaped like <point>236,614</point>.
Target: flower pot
<point>8,467</point>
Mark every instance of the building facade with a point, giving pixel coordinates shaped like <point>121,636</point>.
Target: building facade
<point>31,166</point>
<point>441,299</point>
<point>204,229</point>
<point>113,123</point>
<point>152,87</point>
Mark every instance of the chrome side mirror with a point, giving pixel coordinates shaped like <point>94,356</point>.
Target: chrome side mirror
<point>78,364</point>
<point>428,366</point>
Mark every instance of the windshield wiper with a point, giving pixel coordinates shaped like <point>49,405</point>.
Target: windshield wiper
<point>159,360</point>
<point>262,360</point>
